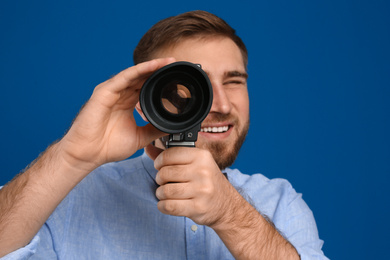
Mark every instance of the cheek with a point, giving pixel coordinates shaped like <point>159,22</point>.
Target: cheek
<point>240,101</point>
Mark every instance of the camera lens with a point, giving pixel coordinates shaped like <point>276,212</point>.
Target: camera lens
<point>176,97</point>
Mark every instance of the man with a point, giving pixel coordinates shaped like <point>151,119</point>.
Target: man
<point>74,203</point>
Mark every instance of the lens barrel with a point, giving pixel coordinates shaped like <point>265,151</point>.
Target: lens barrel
<point>177,97</point>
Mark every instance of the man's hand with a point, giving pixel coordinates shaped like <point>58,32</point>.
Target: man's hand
<point>105,130</point>
<point>192,185</point>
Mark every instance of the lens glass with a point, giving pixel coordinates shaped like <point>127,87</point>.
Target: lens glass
<point>175,98</point>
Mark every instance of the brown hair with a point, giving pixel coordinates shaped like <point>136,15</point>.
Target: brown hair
<point>173,29</point>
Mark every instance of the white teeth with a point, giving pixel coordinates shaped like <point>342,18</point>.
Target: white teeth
<point>214,129</point>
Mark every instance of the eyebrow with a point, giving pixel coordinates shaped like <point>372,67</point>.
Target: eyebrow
<point>233,73</point>
<point>236,73</point>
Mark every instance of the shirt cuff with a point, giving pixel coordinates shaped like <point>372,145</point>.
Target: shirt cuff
<point>311,254</point>
<point>24,252</point>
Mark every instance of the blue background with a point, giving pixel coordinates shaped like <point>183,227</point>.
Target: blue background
<point>319,87</point>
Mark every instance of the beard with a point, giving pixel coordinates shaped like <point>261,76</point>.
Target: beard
<point>225,153</point>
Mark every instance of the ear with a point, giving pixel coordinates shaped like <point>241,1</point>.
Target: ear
<point>139,110</point>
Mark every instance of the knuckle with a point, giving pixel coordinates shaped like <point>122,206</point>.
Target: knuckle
<point>200,207</point>
<point>203,173</point>
<point>160,177</point>
<point>169,207</point>
<point>163,176</point>
<point>207,190</point>
<point>160,193</point>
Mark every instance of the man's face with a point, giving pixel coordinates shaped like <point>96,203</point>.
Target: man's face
<point>224,129</point>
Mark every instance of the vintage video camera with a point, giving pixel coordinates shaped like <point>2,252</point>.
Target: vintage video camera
<point>176,99</point>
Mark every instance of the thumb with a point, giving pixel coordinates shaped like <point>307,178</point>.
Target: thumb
<point>149,133</point>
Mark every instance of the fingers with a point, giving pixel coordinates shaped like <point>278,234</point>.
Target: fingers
<point>133,74</point>
<point>172,174</point>
<point>180,156</point>
<point>126,84</point>
<point>176,207</point>
<point>191,185</point>
<point>175,191</point>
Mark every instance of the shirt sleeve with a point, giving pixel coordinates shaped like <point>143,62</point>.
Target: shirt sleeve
<point>40,247</point>
<point>278,200</point>
<point>300,228</point>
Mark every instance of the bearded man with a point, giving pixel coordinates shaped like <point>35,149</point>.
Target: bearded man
<point>82,200</point>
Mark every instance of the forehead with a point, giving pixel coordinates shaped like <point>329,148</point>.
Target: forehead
<point>210,52</point>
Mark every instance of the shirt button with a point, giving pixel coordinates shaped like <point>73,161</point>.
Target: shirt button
<point>194,228</point>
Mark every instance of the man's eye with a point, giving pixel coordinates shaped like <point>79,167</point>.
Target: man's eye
<point>234,82</point>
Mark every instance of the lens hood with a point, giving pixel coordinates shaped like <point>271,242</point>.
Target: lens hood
<point>177,97</point>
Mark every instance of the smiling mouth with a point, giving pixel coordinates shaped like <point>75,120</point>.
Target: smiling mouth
<point>215,129</point>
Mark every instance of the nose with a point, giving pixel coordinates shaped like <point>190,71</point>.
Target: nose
<point>221,102</point>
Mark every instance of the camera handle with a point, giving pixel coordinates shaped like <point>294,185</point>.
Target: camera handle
<point>185,139</point>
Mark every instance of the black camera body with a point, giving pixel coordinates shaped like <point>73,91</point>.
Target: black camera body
<point>175,100</point>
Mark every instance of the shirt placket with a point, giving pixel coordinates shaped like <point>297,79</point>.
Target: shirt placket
<point>195,240</point>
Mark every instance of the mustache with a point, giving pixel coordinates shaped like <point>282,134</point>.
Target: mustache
<point>219,118</point>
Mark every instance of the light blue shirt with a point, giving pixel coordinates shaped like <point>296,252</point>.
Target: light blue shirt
<point>112,214</point>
